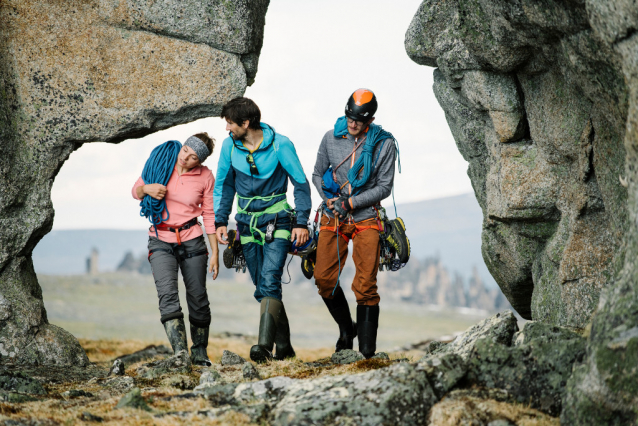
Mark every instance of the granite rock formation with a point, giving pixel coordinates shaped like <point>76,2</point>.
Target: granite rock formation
<point>537,104</point>
<point>100,70</point>
<point>542,100</point>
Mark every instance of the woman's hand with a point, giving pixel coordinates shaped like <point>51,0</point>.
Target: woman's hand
<point>214,265</point>
<point>214,257</point>
<point>155,190</point>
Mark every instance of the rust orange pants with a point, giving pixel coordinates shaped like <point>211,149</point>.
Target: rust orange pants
<point>365,254</point>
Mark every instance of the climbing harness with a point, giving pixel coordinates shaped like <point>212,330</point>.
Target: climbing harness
<point>158,169</point>
<point>256,235</point>
<point>176,230</point>
<point>177,249</point>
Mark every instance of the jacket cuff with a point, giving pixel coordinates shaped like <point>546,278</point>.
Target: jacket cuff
<point>218,224</point>
<point>299,226</point>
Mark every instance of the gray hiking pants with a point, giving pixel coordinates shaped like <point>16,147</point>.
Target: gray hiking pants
<point>164,265</point>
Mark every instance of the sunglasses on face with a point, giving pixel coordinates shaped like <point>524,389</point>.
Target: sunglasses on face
<point>253,166</point>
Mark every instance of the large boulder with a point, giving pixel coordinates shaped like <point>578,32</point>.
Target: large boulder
<point>536,102</point>
<point>99,70</point>
<point>399,394</point>
<point>560,202</point>
<point>499,328</point>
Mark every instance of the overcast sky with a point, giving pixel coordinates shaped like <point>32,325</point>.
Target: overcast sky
<point>315,55</point>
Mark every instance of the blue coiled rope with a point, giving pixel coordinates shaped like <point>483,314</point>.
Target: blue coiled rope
<point>158,169</point>
<point>363,164</point>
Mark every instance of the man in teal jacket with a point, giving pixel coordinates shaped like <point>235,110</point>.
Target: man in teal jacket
<point>255,164</point>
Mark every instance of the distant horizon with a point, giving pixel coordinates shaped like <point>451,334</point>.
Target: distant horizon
<point>447,228</point>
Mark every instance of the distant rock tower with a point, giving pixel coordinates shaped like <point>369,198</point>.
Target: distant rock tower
<point>92,262</point>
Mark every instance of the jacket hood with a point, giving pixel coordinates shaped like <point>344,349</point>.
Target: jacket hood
<point>269,137</point>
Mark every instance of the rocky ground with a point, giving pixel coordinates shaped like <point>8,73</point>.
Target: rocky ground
<point>492,375</point>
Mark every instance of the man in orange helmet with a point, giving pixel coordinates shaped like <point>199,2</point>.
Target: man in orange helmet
<point>354,171</point>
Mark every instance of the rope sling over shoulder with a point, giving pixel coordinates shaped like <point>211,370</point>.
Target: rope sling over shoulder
<point>158,169</point>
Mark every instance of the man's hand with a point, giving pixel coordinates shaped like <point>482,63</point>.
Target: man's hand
<point>341,206</point>
<point>155,190</point>
<point>300,235</point>
<point>330,203</point>
<point>222,235</point>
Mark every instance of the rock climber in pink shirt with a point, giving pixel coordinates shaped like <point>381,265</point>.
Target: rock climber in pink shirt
<point>179,244</point>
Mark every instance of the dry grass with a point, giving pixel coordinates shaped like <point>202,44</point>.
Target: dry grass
<point>297,369</point>
<point>470,410</point>
<point>105,350</point>
<point>103,405</point>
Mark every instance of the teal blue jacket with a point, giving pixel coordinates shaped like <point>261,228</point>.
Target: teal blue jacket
<point>277,162</point>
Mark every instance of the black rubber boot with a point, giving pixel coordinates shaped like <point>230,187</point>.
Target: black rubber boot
<point>282,337</point>
<point>270,312</point>
<point>199,337</point>
<point>338,307</point>
<point>367,323</point>
<point>176,332</point>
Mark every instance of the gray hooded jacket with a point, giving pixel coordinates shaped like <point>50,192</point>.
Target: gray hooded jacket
<point>333,150</point>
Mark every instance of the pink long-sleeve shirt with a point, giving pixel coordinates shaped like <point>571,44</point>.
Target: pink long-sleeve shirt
<point>187,196</point>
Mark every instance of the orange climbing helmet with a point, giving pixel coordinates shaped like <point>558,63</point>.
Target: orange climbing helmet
<point>361,105</point>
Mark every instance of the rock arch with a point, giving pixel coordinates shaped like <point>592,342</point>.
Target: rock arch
<point>99,70</point>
